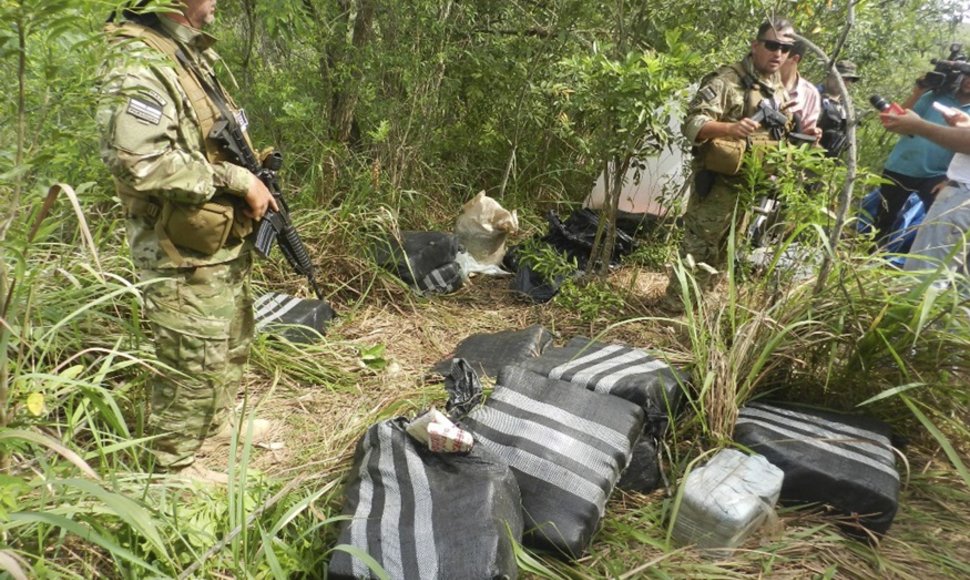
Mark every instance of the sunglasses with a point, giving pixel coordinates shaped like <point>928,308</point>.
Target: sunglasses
<point>773,45</point>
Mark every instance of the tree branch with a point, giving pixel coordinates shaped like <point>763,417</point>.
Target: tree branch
<point>845,200</point>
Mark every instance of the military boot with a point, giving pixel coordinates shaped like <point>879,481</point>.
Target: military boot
<point>263,430</point>
<point>198,474</point>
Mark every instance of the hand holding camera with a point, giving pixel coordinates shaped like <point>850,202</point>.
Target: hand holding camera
<point>885,106</point>
<point>945,73</point>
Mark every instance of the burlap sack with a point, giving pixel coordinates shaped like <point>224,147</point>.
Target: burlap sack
<point>483,228</point>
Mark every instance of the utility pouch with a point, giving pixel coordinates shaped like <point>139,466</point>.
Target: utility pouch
<point>201,228</point>
<point>759,145</point>
<point>723,156</point>
<point>242,224</point>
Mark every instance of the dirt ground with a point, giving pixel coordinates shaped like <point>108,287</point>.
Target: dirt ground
<point>319,426</point>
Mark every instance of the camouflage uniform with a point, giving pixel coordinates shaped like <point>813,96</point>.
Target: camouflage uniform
<point>154,122</point>
<point>723,97</point>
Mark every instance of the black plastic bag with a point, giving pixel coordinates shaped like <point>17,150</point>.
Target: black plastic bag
<point>489,353</point>
<point>526,280</point>
<point>464,389</point>
<point>573,239</point>
<point>839,460</point>
<point>575,236</point>
<point>567,447</point>
<point>427,515</point>
<point>534,285</point>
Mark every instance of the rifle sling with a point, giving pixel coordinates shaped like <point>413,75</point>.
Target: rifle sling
<point>268,223</point>
<point>212,90</point>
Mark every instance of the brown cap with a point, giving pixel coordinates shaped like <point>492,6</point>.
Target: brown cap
<point>847,69</point>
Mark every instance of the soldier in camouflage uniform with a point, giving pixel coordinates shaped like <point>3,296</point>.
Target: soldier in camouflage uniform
<point>722,109</point>
<point>188,212</point>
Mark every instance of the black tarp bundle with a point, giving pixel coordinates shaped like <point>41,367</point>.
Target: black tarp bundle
<point>573,238</point>
<point>628,373</point>
<point>567,447</point>
<point>835,459</point>
<point>427,515</point>
<point>529,283</point>
<point>295,319</point>
<point>489,353</point>
<point>423,260</point>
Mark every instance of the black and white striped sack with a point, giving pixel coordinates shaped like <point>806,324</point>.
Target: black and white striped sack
<point>567,447</point>
<point>442,280</point>
<point>628,373</point>
<point>622,371</point>
<point>424,515</point>
<point>839,460</point>
<point>423,260</point>
<point>296,319</point>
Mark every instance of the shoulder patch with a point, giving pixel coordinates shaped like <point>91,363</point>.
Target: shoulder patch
<point>707,93</point>
<point>157,96</point>
<point>144,110</point>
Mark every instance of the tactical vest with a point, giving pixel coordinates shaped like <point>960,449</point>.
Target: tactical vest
<point>834,127</point>
<point>206,111</point>
<point>725,157</point>
<point>754,93</point>
<point>223,208</point>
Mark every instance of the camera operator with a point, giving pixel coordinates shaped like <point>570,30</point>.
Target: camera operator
<point>917,163</point>
<point>942,237</point>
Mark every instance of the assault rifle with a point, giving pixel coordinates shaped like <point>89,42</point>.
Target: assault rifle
<point>773,120</point>
<point>275,225</point>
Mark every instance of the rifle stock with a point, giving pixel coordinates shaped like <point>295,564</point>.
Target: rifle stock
<point>276,226</point>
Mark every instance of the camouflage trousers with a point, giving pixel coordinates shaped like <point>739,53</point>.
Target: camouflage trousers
<point>203,323</point>
<point>707,225</point>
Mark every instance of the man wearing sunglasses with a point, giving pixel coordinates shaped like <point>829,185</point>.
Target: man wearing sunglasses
<point>728,114</point>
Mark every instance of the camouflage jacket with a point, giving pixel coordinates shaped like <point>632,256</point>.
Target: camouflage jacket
<point>154,143</point>
<point>722,96</point>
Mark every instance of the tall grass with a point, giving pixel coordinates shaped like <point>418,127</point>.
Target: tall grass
<point>873,330</point>
<point>77,498</point>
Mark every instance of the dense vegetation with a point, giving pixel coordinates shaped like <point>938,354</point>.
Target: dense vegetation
<point>392,114</point>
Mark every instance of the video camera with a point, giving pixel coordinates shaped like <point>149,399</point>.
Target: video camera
<point>946,72</point>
